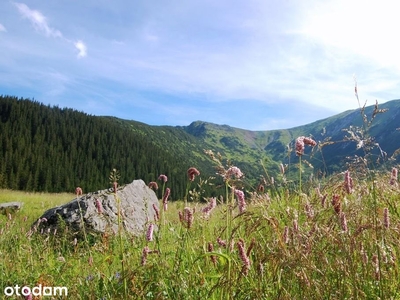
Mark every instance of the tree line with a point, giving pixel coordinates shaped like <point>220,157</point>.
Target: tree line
<point>52,149</point>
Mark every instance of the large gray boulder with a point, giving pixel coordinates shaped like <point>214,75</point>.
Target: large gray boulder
<point>137,202</point>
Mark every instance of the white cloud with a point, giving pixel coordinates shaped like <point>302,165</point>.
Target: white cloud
<point>2,28</point>
<point>38,20</point>
<point>364,28</point>
<point>81,48</point>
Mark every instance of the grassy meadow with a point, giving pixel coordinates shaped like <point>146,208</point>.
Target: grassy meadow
<point>333,240</point>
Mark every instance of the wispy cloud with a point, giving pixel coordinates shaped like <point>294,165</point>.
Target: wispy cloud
<point>81,48</point>
<point>37,19</point>
<point>39,22</point>
<point>2,28</point>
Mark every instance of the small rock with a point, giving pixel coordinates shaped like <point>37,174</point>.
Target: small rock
<point>10,207</point>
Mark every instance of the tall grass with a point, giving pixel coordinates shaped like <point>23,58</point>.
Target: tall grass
<point>338,245</point>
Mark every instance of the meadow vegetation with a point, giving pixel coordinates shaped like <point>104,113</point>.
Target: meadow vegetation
<point>338,241</point>
<point>331,238</point>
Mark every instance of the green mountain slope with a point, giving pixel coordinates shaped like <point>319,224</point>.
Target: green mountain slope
<point>46,148</point>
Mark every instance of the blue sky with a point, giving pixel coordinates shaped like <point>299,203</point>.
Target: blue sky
<point>252,64</point>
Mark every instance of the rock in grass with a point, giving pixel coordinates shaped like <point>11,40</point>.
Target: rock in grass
<point>10,207</point>
<point>100,211</point>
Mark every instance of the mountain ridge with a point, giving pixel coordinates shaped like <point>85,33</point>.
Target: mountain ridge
<point>24,123</point>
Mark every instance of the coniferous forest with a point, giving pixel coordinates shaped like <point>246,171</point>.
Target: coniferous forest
<point>52,149</point>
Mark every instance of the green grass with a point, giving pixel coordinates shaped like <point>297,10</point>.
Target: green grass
<point>297,248</point>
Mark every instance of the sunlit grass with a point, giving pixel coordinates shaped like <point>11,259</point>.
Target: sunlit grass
<point>296,245</point>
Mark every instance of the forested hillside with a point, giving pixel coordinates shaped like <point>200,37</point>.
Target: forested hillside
<point>54,149</point>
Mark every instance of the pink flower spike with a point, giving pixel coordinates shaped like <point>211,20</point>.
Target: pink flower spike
<point>99,206</point>
<point>393,178</point>
<point>145,251</point>
<point>222,243</point>
<point>78,191</point>
<point>149,234</point>
<point>163,178</point>
<point>241,202</point>
<point>300,146</point>
<point>153,185</point>
<point>192,173</point>
<point>348,182</point>
<point>386,218</point>
<point>187,217</point>
<point>157,212</point>
<point>243,256</point>
<point>301,141</point>
<point>165,198</point>
<point>233,171</point>
<point>211,205</point>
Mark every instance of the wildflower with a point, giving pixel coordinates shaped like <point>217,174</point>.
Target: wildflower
<point>295,226</point>
<point>220,242</point>
<point>180,214</point>
<point>187,217</point>
<point>337,205</point>
<point>386,218</point>
<point>309,210</point>
<point>241,202</point>
<point>393,178</point>
<point>233,171</point>
<point>211,205</point>
<point>149,234</point>
<point>145,251</point>
<point>310,142</point>
<point>75,242</point>
<point>348,182</point>
<point>153,185</point>
<point>99,206</point>
<point>42,220</point>
<point>163,178</point>
<point>286,235</point>
<point>300,146</point>
<point>165,198</point>
<point>192,173</point>
<point>157,212</point>
<point>243,257</point>
<point>301,141</point>
<point>78,191</point>
<point>210,248</point>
